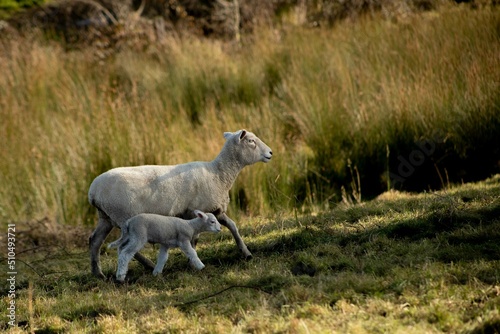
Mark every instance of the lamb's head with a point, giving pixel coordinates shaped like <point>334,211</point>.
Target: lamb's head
<point>211,224</point>
<point>249,148</point>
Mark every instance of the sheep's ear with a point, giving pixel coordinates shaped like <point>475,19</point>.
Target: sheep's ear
<point>227,135</point>
<point>243,133</point>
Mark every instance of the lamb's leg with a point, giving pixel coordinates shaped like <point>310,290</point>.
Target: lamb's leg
<point>194,241</point>
<point>190,252</point>
<point>162,259</point>
<point>147,263</point>
<point>104,226</point>
<point>230,224</point>
<point>125,256</point>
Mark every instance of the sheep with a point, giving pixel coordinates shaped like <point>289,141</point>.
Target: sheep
<point>169,232</point>
<point>173,190</point>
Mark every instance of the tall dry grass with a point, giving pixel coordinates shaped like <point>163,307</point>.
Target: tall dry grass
<point>328,101</point>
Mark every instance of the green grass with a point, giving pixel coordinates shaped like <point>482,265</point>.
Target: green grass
<point>10,7</point>
<point>399,263</point>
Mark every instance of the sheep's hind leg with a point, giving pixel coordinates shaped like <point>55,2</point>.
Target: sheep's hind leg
<point>104,226</point>
<point>231,225</point>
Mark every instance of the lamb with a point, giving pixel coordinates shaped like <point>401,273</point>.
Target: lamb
<point>170,232</point>
<point>173,190</point>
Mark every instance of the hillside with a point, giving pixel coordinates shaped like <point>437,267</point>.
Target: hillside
<point>400,263</point>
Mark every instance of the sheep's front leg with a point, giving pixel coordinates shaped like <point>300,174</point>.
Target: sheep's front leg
<point>231,225</point>
<point>147,263</point>
<point>191,254</point>
<point>162,259</point>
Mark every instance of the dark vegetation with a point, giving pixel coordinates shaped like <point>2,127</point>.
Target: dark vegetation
<point>209,18</point>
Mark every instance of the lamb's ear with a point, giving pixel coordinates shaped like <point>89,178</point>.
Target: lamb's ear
<point>243,133</point>
<point>200,214</point>
<point>227,135</point>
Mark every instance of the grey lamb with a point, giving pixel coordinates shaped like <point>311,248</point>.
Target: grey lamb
<point>169,232</point>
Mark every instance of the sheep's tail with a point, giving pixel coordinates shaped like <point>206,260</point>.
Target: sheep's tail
<point>123,238</point>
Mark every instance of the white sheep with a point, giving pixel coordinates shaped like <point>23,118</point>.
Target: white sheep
<point>169,232</point>
<point>174,190</point>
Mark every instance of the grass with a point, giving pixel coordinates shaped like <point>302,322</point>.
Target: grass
<point>400,263</point>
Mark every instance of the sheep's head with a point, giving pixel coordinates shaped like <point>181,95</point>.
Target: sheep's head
<point>250,148</point>
<point>211,223</point>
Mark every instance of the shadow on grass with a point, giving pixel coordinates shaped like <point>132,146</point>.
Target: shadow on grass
<point>268,284</point>
<point>443,233</point>
<point>488,327</point>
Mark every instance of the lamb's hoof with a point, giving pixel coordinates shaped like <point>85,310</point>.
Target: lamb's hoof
<point>117,282</point>
<point>248,257</point>
<point>197,266</point>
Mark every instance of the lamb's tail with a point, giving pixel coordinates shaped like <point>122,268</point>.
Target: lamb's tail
<point>116,243</point>
<point>123,238</point>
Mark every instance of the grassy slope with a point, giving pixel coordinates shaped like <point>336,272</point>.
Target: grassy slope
<point>400,263</point>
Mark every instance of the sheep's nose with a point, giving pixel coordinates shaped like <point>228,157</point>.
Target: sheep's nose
<point>267,156</point>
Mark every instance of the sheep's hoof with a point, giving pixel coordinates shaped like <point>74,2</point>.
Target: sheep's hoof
<point>99,274</point>
<point>246,253</point>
